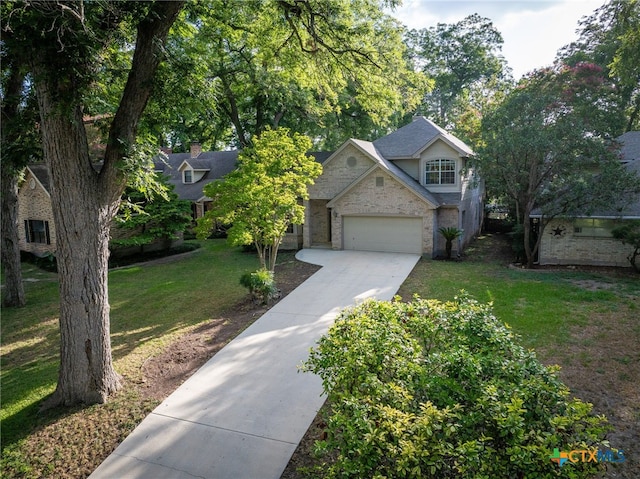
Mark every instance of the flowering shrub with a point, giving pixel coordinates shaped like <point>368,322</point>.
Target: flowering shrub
<point>431,389</point>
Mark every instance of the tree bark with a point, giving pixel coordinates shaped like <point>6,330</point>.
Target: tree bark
<point>13,287</point>
<point>12,163</point>
<point>84,202</point>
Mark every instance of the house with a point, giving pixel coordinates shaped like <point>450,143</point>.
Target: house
<point>36,229</point>
<point>36,226</point>
<point>587,240</point>
<point>393,194</point>
<point>190,172</point>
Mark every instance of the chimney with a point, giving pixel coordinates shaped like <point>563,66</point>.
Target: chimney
<point>196,149</point>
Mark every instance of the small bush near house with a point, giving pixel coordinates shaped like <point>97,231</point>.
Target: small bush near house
<point>440,390</point>
<point>261,285</point>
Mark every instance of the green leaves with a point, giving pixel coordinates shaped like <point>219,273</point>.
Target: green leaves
<point>430,389</point>
<point>263,196</point>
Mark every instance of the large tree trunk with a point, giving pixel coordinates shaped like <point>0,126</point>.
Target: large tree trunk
<point>13,287</point>
<point>13,162</point>
<point>82,214</point>
<point>84,202</point>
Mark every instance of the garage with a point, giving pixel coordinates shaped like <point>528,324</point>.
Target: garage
<point>383,233</point>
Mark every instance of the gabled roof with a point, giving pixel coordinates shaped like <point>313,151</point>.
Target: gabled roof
<point>630,145</point>
<point>403,178</point>
<point>41,173</point>
<point>216,164</point>
<point>412,139</point>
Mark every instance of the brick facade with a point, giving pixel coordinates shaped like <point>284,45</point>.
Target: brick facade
<point>559,245</point>
<point>390,198</point>
<point>34,203</point>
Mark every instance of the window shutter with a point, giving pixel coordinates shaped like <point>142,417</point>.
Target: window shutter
<point>26,231</point>
<point>46,232</point>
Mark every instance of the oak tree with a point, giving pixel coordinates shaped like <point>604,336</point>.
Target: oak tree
<point>66,44</point>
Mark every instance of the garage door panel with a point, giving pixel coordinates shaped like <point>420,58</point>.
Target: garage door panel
<point>381,233</point>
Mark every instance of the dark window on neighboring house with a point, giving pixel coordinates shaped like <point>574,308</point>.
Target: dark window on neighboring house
<point>188,176</point>
<point>37,231</point>
<point>440,172</point>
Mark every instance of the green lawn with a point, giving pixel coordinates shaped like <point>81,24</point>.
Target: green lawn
<point>150,306</point>
<point>539,305</point>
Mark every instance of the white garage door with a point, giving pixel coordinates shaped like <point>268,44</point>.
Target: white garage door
<point>378,233</point>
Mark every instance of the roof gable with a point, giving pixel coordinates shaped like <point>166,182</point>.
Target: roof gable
<point>397,173</point>
<point>412,139</point>
<point>40,173</point>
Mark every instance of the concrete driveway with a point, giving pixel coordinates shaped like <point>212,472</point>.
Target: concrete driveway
<point>242,415</point>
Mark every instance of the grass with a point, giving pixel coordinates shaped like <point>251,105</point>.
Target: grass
<point>153,305</point>
<point>539,305</point>
<point>150,307</point>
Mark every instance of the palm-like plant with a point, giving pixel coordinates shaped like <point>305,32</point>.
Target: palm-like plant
<point>450,233</point>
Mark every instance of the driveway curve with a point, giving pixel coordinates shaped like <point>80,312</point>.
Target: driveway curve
<point>244,412</point>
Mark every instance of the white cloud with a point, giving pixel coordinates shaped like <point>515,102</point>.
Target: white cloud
<point>533,30</point>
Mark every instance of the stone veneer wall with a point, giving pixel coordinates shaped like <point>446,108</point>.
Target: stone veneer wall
<point>567,248</point>
<point>391,199</point>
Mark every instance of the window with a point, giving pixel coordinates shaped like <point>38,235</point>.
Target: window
<point>379,180</point>
<point>440,172</point>
<point>593,227</point>
<point>188,176</point>
<point>37,231</point>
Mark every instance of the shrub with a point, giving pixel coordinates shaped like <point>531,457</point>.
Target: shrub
<point>439,390</point>
<point>261,285</point>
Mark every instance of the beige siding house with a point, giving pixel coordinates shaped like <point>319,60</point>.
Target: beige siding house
<point>394,193</point>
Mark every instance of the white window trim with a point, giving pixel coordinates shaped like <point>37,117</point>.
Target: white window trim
<point>184,176</point>
<point>423,173</point>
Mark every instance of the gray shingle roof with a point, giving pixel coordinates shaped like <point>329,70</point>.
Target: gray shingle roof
<point>217,164</point>
<point>410,140</point>
<point>630,145</point>
<point>41,172</point>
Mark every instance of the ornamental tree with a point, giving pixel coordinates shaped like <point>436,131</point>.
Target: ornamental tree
<point>262,197</point>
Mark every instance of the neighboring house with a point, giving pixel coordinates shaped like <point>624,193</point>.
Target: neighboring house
<point>587,240</point>
<point>393,194</point>
<point>190,172</point>
<point>36,229</point>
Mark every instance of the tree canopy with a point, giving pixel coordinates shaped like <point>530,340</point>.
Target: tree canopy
<point>464,60</point>
<point>610,38</point>
<point>329,69</point>
<point>550,145</point>
<point>262,197</point>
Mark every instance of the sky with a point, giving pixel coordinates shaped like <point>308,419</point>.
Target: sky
<point>533,30</point>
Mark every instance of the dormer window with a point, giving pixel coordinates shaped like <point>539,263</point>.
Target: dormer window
<point>188,176</point>
<point>440,172</point>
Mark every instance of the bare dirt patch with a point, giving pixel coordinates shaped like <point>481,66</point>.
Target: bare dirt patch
<point>164,373</point>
